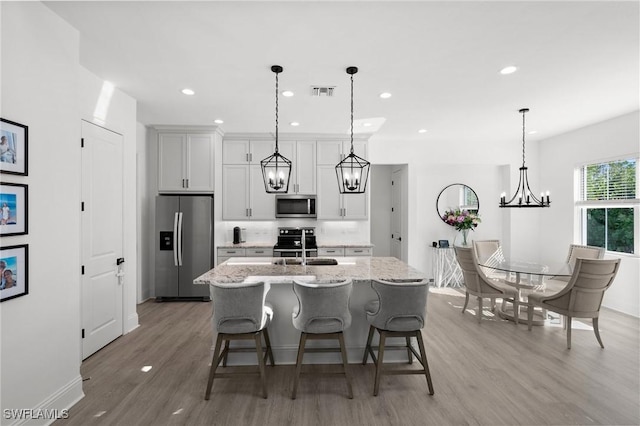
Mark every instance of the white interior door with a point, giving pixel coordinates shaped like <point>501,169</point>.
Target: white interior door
<point>396,215</point>
<point>102,245</point>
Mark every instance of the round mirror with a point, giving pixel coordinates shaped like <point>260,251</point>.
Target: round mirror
<point>457,196</point>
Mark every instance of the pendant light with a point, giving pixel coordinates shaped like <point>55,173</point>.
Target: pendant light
<point>276,169</point>
<point>352,171</point>
<point>523,197</point>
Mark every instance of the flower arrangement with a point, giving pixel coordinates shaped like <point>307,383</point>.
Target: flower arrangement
<point>461,219</point>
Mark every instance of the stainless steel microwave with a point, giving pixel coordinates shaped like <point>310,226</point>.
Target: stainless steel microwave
<point>299,206</point>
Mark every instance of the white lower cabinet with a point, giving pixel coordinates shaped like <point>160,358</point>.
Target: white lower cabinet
<point>344,251</point>
<point>225,254</point>
<point>330,251</point>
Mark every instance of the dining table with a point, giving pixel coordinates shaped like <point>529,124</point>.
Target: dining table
<point>527,277</point>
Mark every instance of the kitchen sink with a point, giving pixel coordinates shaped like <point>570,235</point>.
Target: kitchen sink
<point>315,261</point>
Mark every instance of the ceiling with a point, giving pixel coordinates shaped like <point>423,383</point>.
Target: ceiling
<point>578,63</point>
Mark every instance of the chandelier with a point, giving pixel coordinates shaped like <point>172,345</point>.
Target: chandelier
<point>352,171</point>
<point>276,169</point>
<point>523,196</point>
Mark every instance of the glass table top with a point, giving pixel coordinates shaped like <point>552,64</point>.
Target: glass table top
<point>532,268</point>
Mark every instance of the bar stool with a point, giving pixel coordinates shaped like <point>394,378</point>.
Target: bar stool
<point>240,313</point>
<point>322,313</point>
<point>398,311</point>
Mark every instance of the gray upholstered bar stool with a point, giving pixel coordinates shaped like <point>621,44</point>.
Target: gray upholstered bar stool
<point>322,313</point>
<point>240,313</point>
<point>398,311</point>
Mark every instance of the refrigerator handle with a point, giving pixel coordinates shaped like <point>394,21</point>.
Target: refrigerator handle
<point>176,239</point>
<point>180,239</point>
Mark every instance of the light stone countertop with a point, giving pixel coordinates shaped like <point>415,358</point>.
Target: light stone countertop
<point>363,268</point>
<point>270,245</point>
<point>246,245</point>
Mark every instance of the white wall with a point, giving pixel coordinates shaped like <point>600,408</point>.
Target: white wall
<point>144,209</point>
<point>40,332</point>
<point>603,141</point>
<point>380,215</point>
<point>120,117</point>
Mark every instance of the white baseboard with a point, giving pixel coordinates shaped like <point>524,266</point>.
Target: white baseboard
<point>132,323</point>
<point>58,403</point>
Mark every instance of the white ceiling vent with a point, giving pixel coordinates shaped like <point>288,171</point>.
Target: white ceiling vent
<point>322,91</point>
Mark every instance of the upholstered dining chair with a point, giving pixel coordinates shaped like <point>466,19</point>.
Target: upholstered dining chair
<point>582,296</point>
<point>478,284</point>
<point>488,250</point>
<point>240,313</point>
<point>583,252</point>
<point>322,313</point>
<point>399,311</point>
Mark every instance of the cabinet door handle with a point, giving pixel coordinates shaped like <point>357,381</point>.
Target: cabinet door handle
<point>250,157</point>
<point>183,183</point>
<point>259,251</point>
<point>187,183</point>
<point>331,251</point>
<point>250,212</point>
<point>358,251</point>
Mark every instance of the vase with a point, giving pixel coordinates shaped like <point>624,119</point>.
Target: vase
<point>465,233</point>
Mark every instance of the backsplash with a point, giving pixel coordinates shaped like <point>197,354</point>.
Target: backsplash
<point>327,232</point>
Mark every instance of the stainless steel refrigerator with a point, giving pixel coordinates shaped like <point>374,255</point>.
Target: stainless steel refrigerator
<point>184,246</point>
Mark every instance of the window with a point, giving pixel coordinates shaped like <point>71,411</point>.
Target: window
<point>609,205</point>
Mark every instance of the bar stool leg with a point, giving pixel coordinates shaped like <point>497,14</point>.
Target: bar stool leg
<point>214,365</point>
<point>367,348</point>
<point>263,374</point>
<point>267,341</point>
<point>226,353</point>
<point>409,353</point>
<point>345,364</point>
<point>376,385</point>
<point>425,364</point>
<point>303,342</point>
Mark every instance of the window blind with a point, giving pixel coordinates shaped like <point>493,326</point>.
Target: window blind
<point>613,180</point>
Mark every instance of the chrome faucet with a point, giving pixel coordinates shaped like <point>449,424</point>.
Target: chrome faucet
<point>304,247</point>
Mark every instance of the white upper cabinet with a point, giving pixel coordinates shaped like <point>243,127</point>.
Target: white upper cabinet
<point>332,152</point>
<point>335,206</point>
<point>243,193</point>
<point>246,152</point>
<point>303,169</point>
<point>186,162</point>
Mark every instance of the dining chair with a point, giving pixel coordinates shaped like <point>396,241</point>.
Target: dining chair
<point>582,296</point>
<point>478,284</point>
<point>488,250</point>
<point>398,311</point>
<point>583,252</point>
<point>322,313</point>
<point>240,313</point>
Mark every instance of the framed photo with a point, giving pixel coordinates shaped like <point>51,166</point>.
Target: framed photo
<point>443,243</point>
<point>13,209</point>
<point>14,140</point>
<point>14,271</point>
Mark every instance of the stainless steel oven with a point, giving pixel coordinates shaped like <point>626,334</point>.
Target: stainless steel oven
<point>290,242</point>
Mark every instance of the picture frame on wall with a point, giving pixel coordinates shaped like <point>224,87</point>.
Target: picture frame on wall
<point>14,209</point>
<point>14,143</point>
<point>14,271</point>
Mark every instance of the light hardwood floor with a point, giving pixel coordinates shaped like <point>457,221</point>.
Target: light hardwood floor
<point>493,373</point>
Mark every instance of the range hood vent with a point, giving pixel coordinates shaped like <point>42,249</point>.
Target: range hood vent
<point>322,91</point>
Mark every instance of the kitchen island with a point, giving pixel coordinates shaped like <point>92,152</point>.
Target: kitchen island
<point>284,337</point>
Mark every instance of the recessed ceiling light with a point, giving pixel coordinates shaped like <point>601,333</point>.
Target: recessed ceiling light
<point>508,70</point>
<point>294,123</point>
<point>287,93</point>
<point>367,124</point>
<point>218,121</point>
<point>532,132</point>
<point>385,95</point>
<point>188,92</point>
<point>422,131</point>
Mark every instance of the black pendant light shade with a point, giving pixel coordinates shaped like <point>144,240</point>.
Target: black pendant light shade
<point>276,169</point>
<point>523,196</point>
<point>353,171</point>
